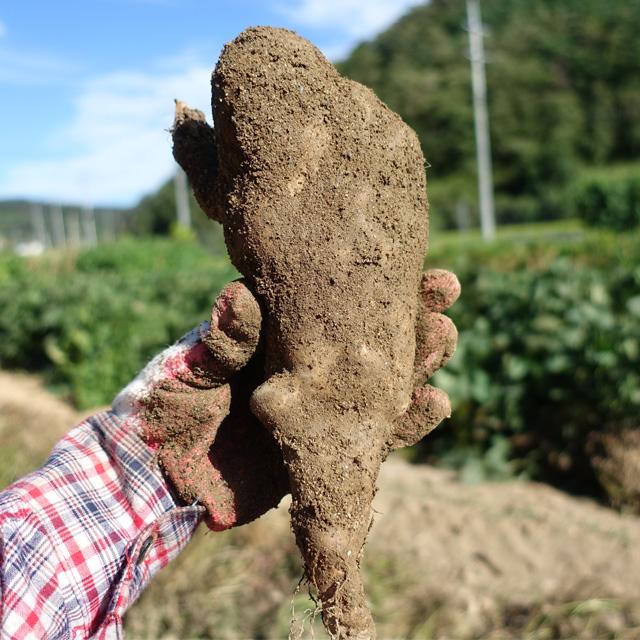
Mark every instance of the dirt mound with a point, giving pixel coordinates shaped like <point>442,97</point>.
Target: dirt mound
<point>616,459</point>
<point>487,545</point>
<point>31,421</point>
<point>445,559</point>
<point>44,417</point>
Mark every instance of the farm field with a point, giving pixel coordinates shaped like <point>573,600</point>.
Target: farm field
<point>453,552</point>
<point>548,317</point>
<point>445,559</point>
<point>518,518</point>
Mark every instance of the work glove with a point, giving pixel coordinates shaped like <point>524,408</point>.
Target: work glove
<point>191,404</point>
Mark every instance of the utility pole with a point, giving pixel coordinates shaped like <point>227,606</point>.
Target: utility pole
<point>57,224</point>
<point>182,199</point>
<point>38,224</point>
<point>90,232</point>
<point>108,226</point>
<point>74,229</point>
<point>481,120</point>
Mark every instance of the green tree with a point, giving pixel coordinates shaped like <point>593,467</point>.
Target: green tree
<point>563,84</point>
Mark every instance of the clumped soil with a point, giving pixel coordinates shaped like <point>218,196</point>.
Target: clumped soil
<point>321,192</point>
<point>616,459</point>
<point>31,421</point>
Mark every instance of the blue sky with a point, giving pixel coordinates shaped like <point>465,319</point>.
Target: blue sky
<point>87,86</point>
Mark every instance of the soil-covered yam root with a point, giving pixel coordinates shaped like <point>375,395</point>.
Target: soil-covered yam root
<point>332,559</point>
<point>195,150</point>
<point>321,191</point>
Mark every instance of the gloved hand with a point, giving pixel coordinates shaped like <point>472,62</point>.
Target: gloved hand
<point>436,339</point>
<point>191,404</point>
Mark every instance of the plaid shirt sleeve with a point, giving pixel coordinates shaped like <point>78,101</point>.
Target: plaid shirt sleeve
<point>81,537</point>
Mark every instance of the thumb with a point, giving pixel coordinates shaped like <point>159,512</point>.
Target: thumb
<point>234,333</point>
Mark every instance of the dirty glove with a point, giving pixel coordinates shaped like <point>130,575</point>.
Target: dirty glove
<point>191,404</point>
<point>436,339</point>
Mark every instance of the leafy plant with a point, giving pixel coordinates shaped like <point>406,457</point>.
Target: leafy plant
<point>608,199</point>
<point>90,323</point>
<point>548,354</point>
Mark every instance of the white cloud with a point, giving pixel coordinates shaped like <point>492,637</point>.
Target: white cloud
<point>355,19</point>
<point>20,68</point>
<point>115,147</point>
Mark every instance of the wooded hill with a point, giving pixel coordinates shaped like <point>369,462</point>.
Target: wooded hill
<point>563,88</point>
<point>564,101</point>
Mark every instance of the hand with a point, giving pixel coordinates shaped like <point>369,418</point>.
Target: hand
<point>436,338</point>
<point>191,405</point>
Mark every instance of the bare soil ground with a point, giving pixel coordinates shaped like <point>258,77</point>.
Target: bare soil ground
<point>31,420</point>
<point>445,559</point>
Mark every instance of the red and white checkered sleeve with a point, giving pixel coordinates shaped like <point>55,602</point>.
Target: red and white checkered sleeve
<point>81,537</point>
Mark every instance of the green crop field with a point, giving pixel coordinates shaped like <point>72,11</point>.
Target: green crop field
<point>549,322</point>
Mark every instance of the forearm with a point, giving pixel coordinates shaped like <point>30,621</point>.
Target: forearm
<point>82,536</point>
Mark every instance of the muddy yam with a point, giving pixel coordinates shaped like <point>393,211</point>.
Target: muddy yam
<point>321,192</point>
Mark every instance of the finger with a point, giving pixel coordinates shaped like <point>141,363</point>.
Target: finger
<point>189,424</point>
<point>436,339</point>
<point>210,354</point>
<point>202,484</point>
<point>237,313</point>
<point>248,461</point>
<point>186,364</point>
<point>234,332</point>
<point>429,407</point>
<point>439,290</point>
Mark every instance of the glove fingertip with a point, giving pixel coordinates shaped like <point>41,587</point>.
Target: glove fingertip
<point>436,340</point>
<point>429,407</point>
<point>439,289</point>
<point>237,313</point>
<point>234,332</point>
